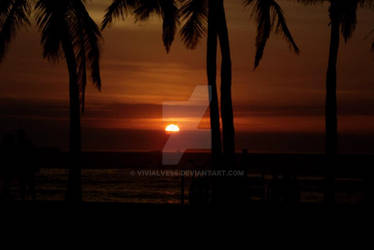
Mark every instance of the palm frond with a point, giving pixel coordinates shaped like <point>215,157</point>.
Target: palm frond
<point>118,9</point>
<point>52,22</point>
<point>142,10</point>
<point>86,43</point>
<point>5,6</point>
<point>170,18</point>
<point>269,16</point>
<point>367,4</point>
<point>195,15</point>
<point>13,14</point>
<point>264,23</point>
<point>281,27</point>
<point>169,13</point>
<point>68,22</point>
<point>145,8</point>
<point>348,18</point>
<point>88,36</point>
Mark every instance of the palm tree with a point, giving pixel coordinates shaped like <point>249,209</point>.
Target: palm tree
<point>193,13</point>
<point>227,114</point>
<point>196,14</point>
<point>69,32</point>
<point>269,17</point>
<point>13,15</point>
<point>343,20</point>
<point>211,62</point>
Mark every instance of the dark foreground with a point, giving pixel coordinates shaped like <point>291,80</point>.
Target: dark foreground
<point>139,180</point>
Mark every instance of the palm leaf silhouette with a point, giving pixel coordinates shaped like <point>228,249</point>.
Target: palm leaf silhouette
<point>13,14</point>
<point>69,20</point>
<point>143,9</point>
<point>269,17</point>
<point>345,12</point>
<point>88,50</point>
<point>195,15</point>
<point>118,9</point>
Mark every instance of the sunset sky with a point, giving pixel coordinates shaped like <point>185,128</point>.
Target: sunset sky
<point>284,96</point>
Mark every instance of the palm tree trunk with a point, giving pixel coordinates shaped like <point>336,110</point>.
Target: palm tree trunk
<point>331,105</point>
<point>74,192</point>
<point>226,82</point>
<point>331,100</point>
<point>212,78</point>
<point>213,96</point>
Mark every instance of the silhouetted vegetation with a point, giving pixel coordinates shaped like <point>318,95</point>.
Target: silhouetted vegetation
<point>67,32</point>
<point>343,20</point>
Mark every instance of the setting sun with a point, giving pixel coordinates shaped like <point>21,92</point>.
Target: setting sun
<point>172,128</point>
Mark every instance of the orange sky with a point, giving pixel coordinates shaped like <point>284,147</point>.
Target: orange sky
<point>286,94</point>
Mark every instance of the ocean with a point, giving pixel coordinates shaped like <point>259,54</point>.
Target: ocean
<point>111,185</point>
<point>140,177</point>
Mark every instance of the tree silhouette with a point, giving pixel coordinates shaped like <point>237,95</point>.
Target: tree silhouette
<point>343,20</point>
<point>269,17</point>
<point>227,114</point>
<point>211,62</point>
<point>13,14</point>
<point>69,32</point>
<point>143,9</point>
<point>195,14</point>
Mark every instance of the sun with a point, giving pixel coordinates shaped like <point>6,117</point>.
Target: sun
<point>172,128</point>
